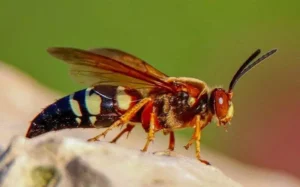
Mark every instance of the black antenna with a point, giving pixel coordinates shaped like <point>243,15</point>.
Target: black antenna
<point>246,67</point>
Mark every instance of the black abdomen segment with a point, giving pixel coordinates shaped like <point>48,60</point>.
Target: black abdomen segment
<point>86,108</point>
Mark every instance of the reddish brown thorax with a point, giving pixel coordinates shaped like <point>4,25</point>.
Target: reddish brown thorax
<point>190,85</point>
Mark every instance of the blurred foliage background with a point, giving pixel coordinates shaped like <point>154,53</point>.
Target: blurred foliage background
<point>203,39</point>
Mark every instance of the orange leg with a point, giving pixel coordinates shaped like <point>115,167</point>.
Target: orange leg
<point>196,138</point>
<point>150,137</point>
<point>191,141</point>
<point>128,129</point>
<point>123,119</point>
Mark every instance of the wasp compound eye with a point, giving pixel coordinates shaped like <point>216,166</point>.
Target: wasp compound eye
<point>220,103</point>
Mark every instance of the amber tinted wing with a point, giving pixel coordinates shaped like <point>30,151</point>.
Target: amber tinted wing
<point>110,66</point>
<point>130,60</point>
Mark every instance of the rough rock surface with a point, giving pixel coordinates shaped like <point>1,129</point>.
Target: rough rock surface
<point>72,162</point>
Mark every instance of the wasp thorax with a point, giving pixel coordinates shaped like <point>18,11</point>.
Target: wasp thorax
<point>221,105</point>
<point>180,102</point>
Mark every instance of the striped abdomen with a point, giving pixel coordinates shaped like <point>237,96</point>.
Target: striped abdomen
<point>89,108</point>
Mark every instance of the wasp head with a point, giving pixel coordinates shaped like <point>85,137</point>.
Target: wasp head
<point>221,105</point>
<point>220,100</point>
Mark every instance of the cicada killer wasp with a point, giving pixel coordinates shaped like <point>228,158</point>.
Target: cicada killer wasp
<point>124,90</point>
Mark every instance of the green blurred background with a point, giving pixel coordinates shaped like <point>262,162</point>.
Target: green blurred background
<point>203,39</point>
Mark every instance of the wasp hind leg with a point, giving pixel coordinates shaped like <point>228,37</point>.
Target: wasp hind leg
<point>196,138</point>
<point>125,118</point>
<point>128,129</point>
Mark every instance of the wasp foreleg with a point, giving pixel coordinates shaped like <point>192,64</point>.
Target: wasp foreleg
<point>191,141</point>
<point>123,119</point>
<point>196,138</point>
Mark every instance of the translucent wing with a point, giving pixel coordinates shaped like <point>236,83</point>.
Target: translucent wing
<point>110,67</point>
<point>130,60</point>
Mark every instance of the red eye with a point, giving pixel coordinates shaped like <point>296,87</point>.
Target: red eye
<point>221,103</point>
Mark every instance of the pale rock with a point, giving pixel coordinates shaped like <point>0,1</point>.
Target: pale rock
<point>64,162</point>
